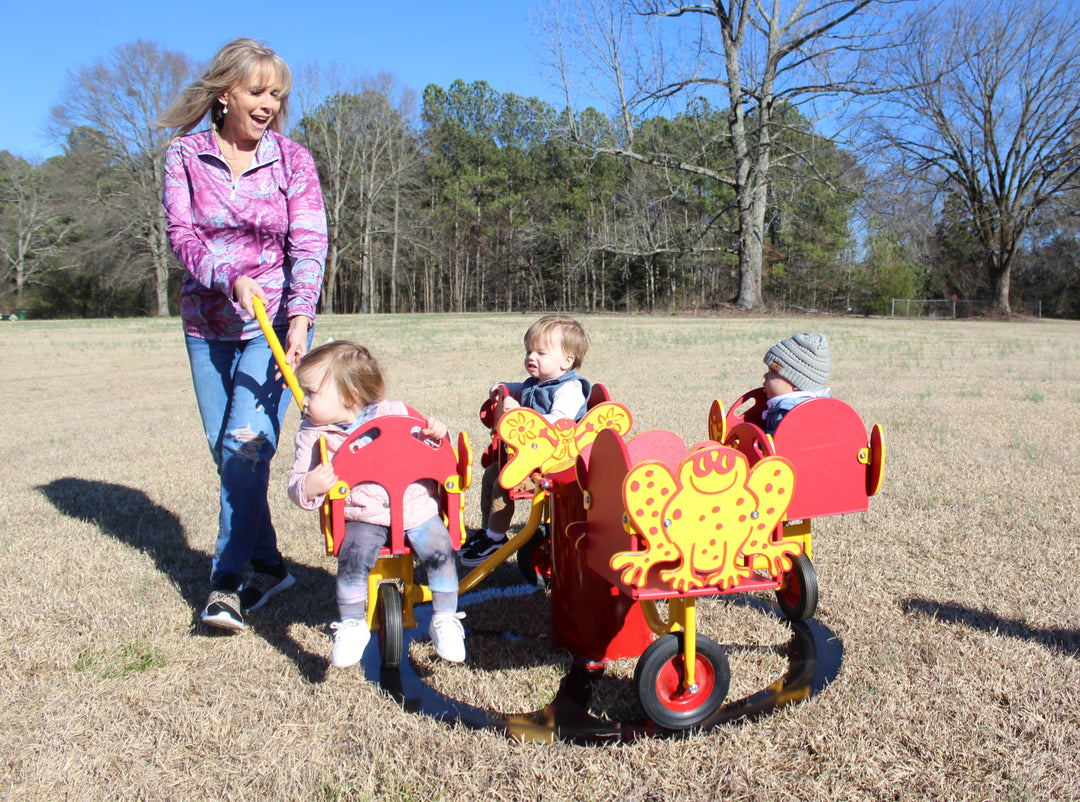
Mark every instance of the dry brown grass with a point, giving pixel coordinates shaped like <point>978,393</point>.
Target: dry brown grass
<point>961,673</point>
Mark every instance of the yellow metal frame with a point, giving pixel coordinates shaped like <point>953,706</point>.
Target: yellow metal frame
<point>538,514</point>
<point>682,617</point>
<point>338,491</point>
<point>397,568</point>
<point>459,484</point>
<point>798,530</point>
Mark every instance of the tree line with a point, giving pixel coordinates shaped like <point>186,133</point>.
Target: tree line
<point>825,157</point>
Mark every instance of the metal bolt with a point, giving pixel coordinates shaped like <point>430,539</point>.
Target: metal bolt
<point>754,515</point>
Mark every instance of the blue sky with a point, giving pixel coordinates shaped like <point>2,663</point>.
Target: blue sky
<point>420,42</point>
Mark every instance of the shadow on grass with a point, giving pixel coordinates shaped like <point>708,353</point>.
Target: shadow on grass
<point>813,653</point>
<point>1064,641</point>
<point>133,518</point>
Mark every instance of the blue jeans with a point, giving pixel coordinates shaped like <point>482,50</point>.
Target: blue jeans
<point>242,407</point>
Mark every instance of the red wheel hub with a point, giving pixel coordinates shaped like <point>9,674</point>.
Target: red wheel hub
<point>791,591</point>
<point>669,683</point>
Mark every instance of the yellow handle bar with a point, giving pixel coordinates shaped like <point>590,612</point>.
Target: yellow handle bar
<point>279,352</point>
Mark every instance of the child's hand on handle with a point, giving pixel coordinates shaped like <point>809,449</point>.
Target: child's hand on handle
<point>435,430</point>
<point>244,289</point>
<point>320,480</point>
<point>503,400</point>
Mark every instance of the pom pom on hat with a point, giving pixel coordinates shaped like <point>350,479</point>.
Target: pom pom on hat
<point>802,359</point>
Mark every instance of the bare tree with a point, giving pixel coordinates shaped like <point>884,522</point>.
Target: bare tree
<point>30,226</point>
<point>323,102</point>
<point>758,57</point>
<point>122,97</point>
<point>986,107</point>
<point>360,132</point>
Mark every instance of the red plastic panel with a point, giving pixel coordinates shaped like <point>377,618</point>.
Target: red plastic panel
<point>822,439</point>
<point>749,408</point>
<point>750,441</point>
<point>877,460</point>
<point>600,472</point>
<point>395,459</point>
<point>599,395</point>
<point>589,616</point>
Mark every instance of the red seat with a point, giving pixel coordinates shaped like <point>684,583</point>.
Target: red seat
<point>825,441</point>
<point>394,459</point>
<point>748,408</point>
<point>751,441</point>
<point>836,467</point>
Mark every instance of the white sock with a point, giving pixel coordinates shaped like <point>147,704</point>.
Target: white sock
<point>496,535</point>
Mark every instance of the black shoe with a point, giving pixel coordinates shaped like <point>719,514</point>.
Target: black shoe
<point>479,548</point>
<point>223,611</point>
<point>263,584</point>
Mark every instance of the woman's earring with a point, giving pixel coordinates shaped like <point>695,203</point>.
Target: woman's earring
<point>224,109</point>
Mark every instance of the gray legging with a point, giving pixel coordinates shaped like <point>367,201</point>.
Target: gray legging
<point>360,551</point>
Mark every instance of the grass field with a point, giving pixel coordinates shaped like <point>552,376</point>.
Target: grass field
<point>951,595</point>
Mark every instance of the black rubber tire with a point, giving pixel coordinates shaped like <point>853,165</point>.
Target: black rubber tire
<point>391,625</point>
<point>658,681</point>
<point>798,596</point>
<point>534,559</point>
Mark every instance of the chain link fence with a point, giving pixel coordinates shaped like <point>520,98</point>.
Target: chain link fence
<point>939,307</point>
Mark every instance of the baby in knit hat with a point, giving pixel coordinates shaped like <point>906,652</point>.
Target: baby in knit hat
<point>798,371</point>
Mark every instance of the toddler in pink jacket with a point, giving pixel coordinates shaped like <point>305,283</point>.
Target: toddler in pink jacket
<point>344,388</point>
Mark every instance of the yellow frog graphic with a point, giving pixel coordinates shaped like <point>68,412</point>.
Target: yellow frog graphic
<point>536,445</point>
<point>711,518</point>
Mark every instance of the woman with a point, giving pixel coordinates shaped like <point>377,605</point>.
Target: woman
<point>245,217</point>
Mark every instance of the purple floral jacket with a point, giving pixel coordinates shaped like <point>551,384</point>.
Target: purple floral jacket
<point>269,224</point>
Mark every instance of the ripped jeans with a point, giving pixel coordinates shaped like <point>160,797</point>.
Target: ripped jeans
<point>242,407</point>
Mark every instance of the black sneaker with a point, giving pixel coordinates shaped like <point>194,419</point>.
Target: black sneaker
<point>223,611</point>
<point>479,548</point>
<point>261,585</point>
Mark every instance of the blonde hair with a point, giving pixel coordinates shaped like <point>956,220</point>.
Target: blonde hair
<point>351,367</point>
<point>574,339</point>
<point>237,63</point>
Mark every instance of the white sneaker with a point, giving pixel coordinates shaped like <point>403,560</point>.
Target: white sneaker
<point>351,637</point>
<point>448,636</point>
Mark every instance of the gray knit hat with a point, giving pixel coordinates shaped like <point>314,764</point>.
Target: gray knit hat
<point>802,359</point>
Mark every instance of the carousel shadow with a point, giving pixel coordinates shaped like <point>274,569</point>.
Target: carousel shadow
<point>133,518</point>
<point>813,652</point>
<point>1063,641</point>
